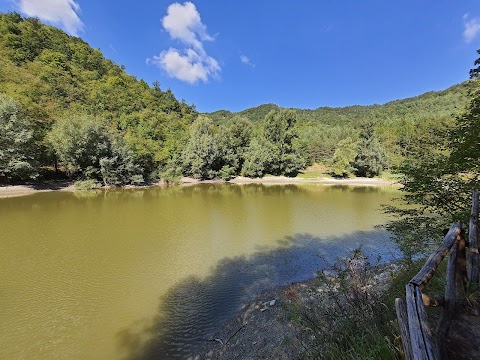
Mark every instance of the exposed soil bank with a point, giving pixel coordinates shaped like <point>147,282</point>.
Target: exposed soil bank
<point>28,189</point>
<point>287,180</point>
<point>32,188</point>
<point>264,329</point>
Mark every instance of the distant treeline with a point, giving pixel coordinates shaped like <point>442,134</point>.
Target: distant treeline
<point>65,109</point>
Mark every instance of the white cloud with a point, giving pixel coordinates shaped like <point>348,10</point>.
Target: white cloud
<point>189,67</point>
<point>471,28</point>
<point>58,12</point>
<point>192,64</point>
<point>183,23</point>
<point>244,59</point>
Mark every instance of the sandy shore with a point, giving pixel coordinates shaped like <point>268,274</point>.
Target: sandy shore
<point>283,180</point>
<point>28,189</point>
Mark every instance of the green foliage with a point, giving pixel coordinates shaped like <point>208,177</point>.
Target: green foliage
<point>16,145</point>
<point>371,157</point>
<point>257,158</point>
<point>119,167</point>
<point>276,150</point>
<point>80,141</point>
<point>465,141</point>
<point>87,148</point>
<point>171,173</point>
<point>201,156</point>
<point>234,140</point>
<point>52,74</point>
<point>401,125</point>
<point>438,179</point>
<point>344,157</point>
<point>89,184</point>
<point>321,141</point>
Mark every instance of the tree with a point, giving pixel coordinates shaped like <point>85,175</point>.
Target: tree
<point>16,142</point>
<point>119,167</point>
<point>80,141</point>
<point>201,156</point>
<point>439,178</point>
<point>234,140</point>
<point>371,157</point>
<point>277,149</point>
<point>344,157</point>
<point>257,158</point>
<point>88,148</point>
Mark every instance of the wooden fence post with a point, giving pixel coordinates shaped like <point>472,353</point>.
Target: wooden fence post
<point>450,300</point>
<point>461,268</point>
<point>423,346</point>
<point>473,259</point>
<point>402,319</point>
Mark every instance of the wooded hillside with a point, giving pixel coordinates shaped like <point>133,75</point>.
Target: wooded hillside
<point>65,104</point>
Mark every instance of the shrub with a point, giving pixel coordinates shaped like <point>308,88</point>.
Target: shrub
<point>89,184</point>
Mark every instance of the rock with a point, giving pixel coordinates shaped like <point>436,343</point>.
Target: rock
<point>272,302</point>
<point>219,341</point>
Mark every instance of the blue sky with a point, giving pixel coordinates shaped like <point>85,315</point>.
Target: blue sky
<point>234,55</point>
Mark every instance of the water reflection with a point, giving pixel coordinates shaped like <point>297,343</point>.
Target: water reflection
<point>138,273</point>
<point>192,310</point>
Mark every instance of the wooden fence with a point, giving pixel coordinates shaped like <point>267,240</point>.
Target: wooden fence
<point>418,341</point>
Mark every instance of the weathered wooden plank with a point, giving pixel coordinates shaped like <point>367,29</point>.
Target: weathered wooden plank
<point>461,268</point>
<point>428,269</point>
<point>430,343</point>
<point>450,297</point>
<point>473,258</point>
<point>402,319</point>
<point>416,338</point>
<point>423,346</point>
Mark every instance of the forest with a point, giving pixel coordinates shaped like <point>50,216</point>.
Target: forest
<point>67,111</point>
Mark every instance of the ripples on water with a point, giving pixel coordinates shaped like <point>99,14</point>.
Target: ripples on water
<point>152,273</point>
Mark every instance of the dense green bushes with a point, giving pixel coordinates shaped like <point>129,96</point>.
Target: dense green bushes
<point>233,149</point>
<point>439,175</point>
<point>86,114</point>
<point>16,142</point>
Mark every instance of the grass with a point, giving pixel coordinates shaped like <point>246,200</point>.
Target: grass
<point>320,170</point>
<point>315,171</point>
<point>352,319</point>
<point>389,176</point>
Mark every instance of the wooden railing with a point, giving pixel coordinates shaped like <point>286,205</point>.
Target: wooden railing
<point>418,341</point>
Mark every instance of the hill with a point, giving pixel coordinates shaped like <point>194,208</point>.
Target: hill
<point>400,125</point>
<point>52,75</point>
<point>429,105</point>
<point>83,112</point>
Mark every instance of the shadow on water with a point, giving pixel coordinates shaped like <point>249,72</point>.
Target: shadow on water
<point>194,309</point>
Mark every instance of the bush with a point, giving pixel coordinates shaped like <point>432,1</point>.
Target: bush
<point>16,142</point>
<point>346,316</point>
<point>89,184</point>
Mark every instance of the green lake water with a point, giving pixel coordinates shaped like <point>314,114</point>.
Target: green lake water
<point>149,274</point>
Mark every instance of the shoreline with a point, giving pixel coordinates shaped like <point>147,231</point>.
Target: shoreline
<point>7,191</point>
<point>263,328</point>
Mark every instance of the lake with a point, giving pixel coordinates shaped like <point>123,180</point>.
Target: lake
<point>151,273</point>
